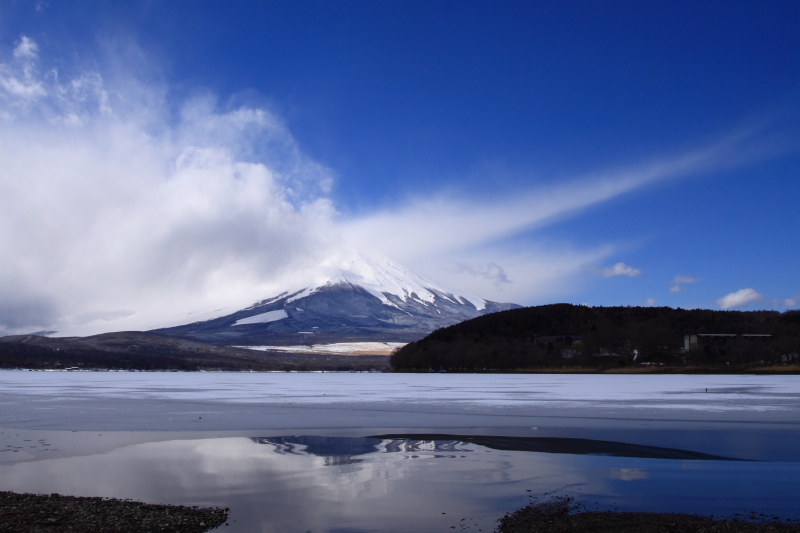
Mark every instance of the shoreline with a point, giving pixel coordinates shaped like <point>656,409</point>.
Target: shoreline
<point>776,370</point>
<point>756,370</point>
<point>34,513</point>
<point>563,514</point>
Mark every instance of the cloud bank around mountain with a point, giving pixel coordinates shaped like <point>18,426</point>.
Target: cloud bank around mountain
<point>112,204</point>
<point>122,208</point>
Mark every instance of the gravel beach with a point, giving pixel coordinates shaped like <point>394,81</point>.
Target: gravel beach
<point>35,513</point>
<point>562,515</point>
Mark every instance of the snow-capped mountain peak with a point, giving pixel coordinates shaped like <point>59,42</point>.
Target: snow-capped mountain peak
<point>382,277</point>
<point>362,297</point>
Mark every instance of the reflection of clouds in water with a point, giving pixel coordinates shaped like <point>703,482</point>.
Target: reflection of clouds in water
<point>276,484</point>
<point>409,483</point>
<point>693,465</point>
<point>235,472</point>
<point>629,474</point>
<point>346,450</point>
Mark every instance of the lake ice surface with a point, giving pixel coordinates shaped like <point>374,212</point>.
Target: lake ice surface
<point>698,392</point>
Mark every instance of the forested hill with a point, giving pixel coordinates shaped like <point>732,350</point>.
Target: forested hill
<point>564,335</point>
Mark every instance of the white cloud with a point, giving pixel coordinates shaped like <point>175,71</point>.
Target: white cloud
<point>537,273</point>
<point>103,209</point>
<point>621,269</point>
<point>117,210</point>
<point>740,298</point>
<point>491,271</point>
<point>430,225</point>
<point>26,49</point>
<point>650,302</point>
<point>679,281</point>
<point>786,302</point>
<point>20,79</point>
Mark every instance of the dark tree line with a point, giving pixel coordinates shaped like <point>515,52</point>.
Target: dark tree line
<point>602,337</point>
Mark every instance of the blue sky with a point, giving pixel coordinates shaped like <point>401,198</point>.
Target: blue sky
<point>518,150</point>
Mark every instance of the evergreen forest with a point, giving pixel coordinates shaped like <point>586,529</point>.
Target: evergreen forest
<point>566,336</point>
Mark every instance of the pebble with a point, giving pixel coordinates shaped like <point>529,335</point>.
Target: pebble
<point>54,513</point>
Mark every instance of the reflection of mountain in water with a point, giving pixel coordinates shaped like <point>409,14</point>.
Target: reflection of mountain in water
<point>335,450</point>
<point>564,445</point>
<point>344,450</point>
<point>415,446</point>
<point>322,446</point>
<point>341,450</point>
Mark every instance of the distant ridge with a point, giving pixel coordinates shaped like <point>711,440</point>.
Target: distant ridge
<point>368,297</point>
<point>136,350</point>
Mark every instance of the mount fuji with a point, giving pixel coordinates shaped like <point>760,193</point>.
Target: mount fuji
<point>367,298</point>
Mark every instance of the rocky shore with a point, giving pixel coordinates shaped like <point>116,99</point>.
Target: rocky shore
<point>562,516</point>
<point>37,513</point>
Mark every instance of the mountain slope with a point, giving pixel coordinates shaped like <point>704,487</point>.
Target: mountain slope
<point>129,350</point>
<point>366,298</point>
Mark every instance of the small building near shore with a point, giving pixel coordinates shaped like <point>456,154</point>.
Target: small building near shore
<point>700,340</point>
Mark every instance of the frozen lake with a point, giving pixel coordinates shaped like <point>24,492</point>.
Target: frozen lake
<point>699,392</point>
<point>291,451</point>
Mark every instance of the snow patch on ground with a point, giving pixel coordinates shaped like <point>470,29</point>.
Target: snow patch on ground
<point>263,318</point>
<point>339,348</point>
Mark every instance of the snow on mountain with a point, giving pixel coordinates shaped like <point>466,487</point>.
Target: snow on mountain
<point>381,277</point>
<point>263,318</point>
<point>365,297</point>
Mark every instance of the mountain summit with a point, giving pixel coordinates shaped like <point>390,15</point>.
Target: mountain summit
<point>368,298</point>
